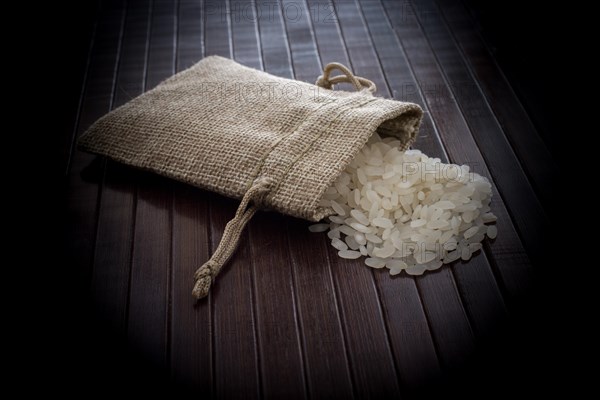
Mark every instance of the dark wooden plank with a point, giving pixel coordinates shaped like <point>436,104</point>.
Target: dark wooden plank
<point>326,363</point>
<point>448,301</point>
<point>236,368</point>
<point>191,322</point>
<point>276,310</point>
<point>507,251</point>
<point>274,294</point>
<point>190,33</point>
<point>496,150</point>
<point>236,359</point>
<point>116,218</point>
<point>490,138</point>
<point>372,364</point>
<point>147,321</point>
<point>85,172</point>
<point>217,40</point>
<point>512,116</point>
<point>245,40</point>
<point>327,34</point>
<point>305,62</point>
<point>475,280</point>
<point>276,55</point>
<point>151,260</point>
<point>412,343</point>
<point>67,146</point>
<point>408,330</point>
<point>520,54</point>
<point>370,355</point>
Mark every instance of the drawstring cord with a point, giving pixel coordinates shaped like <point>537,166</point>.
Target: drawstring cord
<point>231,236</point>
<point>327,82</point>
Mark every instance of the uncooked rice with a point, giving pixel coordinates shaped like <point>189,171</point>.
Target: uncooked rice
<point>406,211</point>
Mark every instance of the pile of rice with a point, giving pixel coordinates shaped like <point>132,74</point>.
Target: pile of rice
<point>405,210</point>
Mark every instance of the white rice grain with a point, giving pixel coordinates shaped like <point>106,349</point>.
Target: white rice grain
<point>349,254</point>
<point>318,227</point>
<point>338,244</point>
<point>375,262</point>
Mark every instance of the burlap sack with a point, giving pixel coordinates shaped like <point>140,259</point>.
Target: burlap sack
<point>273,142</point>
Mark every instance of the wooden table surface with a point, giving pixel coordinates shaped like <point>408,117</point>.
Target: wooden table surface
<point>287,318</point>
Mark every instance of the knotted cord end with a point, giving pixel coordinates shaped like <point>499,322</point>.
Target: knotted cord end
<point>323,82</point>
<point>231,236</point>
<point>203,277</point>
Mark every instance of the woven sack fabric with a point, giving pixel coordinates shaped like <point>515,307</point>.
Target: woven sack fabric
<point>275,143</point>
